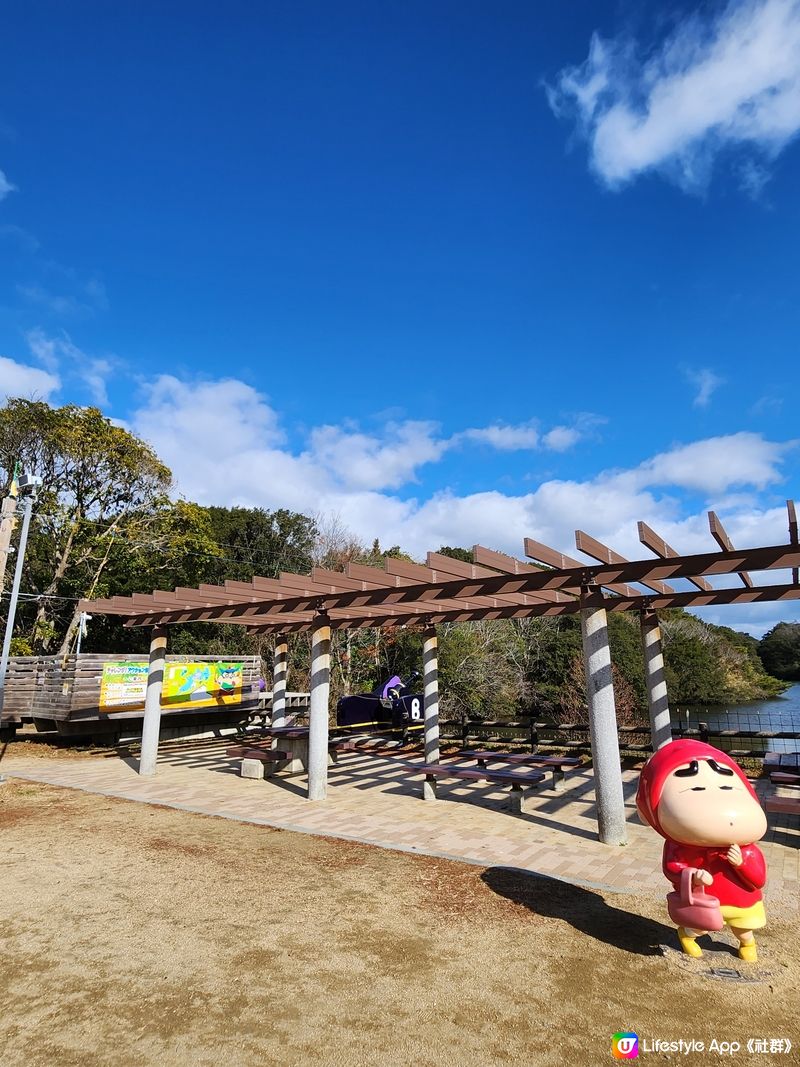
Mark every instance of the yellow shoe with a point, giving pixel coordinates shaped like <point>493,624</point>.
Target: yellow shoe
<point>748,953</point>
<point>688,944</point>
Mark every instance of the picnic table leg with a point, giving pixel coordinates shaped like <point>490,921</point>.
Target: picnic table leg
<point>251,768</point>
<point>558,779</point>
<point>481,762</point>
<point>517,798</point>
<point>429,787</point>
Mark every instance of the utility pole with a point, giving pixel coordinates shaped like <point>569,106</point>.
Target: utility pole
<point>82,627</point>
<point>28,484</point>
<point>7,524</point>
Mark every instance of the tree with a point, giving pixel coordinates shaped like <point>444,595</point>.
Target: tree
<point>779,651</point>
<point>96,477</point>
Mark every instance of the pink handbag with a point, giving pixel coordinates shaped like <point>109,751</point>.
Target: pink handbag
<point>693,907</point>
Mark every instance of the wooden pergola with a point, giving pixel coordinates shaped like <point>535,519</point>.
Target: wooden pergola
<point>493,586</point>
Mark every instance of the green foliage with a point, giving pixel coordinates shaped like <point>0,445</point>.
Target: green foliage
<point>779,651</point>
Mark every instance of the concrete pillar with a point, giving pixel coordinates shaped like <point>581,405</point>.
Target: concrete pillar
<point>657,698</point>
<point>603,727</point>
<point>318,712</point>
<point>430,676</point>
<point>152,701</point>
<point>279,677</point>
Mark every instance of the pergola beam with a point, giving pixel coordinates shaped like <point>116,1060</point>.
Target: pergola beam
<point>552,558</point>
<point>426,599</point>
<point>721,537</point>
<point>793,536</point>
<point>603,554</point>
<point>657,544</point>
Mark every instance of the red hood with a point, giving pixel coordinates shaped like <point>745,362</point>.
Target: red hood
<point>662,763</point>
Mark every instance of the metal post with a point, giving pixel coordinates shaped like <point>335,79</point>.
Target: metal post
<point>151,727</point>
<point>430,674</point>
<point>279,676</point>
<point>7,524</point>
<point>603,727</point>
<point>318,711</point>
<point>12,606</point>
<point>657,697</point>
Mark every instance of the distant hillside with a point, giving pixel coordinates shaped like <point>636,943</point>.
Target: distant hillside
<point>780,651</point>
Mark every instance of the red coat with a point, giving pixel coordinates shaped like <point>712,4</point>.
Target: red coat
<point>738,887</point>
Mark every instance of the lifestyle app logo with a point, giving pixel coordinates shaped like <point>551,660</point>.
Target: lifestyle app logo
<point>625,1045</point>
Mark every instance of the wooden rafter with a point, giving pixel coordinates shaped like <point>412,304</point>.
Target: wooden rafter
<point>721,537</point>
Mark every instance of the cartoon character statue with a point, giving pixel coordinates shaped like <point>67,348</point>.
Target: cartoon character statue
<point>702,804</point>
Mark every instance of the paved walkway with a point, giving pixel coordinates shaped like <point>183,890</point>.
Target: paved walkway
<point>371,798</point>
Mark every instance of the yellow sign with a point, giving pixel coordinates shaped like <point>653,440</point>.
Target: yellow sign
<point>186,685</point>
<point>123,683</point>
<point>202,685</point>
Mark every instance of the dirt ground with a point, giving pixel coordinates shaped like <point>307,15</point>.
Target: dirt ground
<point>134,934</point>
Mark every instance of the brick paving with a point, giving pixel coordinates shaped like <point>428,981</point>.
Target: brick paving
<point>373,799</point>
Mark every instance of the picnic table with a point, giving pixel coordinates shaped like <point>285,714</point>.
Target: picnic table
<point>556,764</point>
<point>260,761</point>
<point>516,779</point>
<point>784,768</point>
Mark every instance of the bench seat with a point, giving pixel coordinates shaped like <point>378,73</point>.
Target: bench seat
<point>784,778</point>
<point>264,755</point>
<point>556,764</point>
<point>516,779</point>
<point>783,805</point>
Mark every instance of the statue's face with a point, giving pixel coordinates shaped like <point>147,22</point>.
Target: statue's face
<point>706,803</point>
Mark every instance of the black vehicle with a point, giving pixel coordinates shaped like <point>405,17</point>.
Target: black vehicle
<point>392,705</point>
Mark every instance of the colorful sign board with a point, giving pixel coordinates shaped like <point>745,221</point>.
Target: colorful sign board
<point>186,685</point>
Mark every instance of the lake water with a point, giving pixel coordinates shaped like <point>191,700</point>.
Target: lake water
<point>780,714</point>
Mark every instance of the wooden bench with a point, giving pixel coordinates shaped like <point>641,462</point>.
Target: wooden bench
<point>256,758</point>
<point>556,764</point>
<point>783,805</point>
<point>517,780</point>
<point>784,778</point>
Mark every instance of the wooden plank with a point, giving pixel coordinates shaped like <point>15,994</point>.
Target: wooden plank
<point>721,537</point>
<point>658,545</point>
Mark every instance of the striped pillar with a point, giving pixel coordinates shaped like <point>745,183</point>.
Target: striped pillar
<point>279,677</point>
<point>151,727</point>
<point>657,697</point>
<point>603,727</point>
<point>430,675</point>
<point>318,713</point>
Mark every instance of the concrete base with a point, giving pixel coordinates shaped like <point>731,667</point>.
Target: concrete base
<point>252,768</point>
<point>297,747</point>
<point>429,790</point>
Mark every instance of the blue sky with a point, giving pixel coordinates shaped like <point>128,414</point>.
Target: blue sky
<point>455,273</point>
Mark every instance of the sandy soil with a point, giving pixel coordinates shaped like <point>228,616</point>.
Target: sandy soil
<point>142,935</point>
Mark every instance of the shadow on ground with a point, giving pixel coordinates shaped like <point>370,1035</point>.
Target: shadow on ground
<point>583,909</point>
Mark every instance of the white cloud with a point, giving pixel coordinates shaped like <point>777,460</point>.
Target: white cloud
<point>361,461</point>
<point>18,379</point>
<point>729,79</point>
<point>5,186</point>
<point>225,445</point>
<point>59,352</point>
<point>705,382</point>
<point>504,438</point>
<point>560,438</point>
<point>716,464</point>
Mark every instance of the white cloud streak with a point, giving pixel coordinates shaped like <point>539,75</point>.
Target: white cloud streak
<point>717,82</point>
<point>5,186</point>
<point>706,382</point>
<point>57,353</point>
